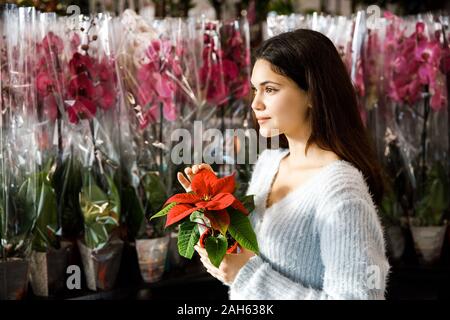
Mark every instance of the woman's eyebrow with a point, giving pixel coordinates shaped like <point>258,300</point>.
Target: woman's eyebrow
<point>267,82</point>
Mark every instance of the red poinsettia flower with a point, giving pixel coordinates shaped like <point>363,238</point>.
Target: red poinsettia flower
<point>210,195</point>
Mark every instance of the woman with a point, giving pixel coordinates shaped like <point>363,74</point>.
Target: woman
<point>315,214</point>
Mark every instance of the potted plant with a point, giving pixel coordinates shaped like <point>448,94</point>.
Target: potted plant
<point>394,223</point>
<point>16,225</point>
<point>49,256</point>
<point>429,225</point>
<point>211,216</point>
<point>101,247</point>
<point>152,243</point>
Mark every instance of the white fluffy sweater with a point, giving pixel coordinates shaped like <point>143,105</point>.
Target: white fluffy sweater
<point>323,240</point>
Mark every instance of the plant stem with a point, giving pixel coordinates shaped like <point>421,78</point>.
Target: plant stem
<point>426,105</point>
<point>161,119</point>
<point>59,162</point>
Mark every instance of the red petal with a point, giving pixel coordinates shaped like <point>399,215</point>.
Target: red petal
<point>239,206</point>
<point>220,220</point>
<point>202,182</point>
<point>179,212</point>
<point>181,198</point>
<point>220,201</point>
<point>224,185</point>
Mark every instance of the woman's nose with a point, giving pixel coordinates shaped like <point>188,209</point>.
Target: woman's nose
<point>257,104</point>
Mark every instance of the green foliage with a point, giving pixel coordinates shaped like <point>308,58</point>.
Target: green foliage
<point>241,230</point>
<point>431,207</point>
<point>188,238</point>
<point>216,247</point>
<point>67,183</point>
<point>18,209</point>
<point>132,210</point>
<point>154,198</point>
<point>100,210</point>
<point>281,6</point>
<point>40,198</point>
<point>391,211</point>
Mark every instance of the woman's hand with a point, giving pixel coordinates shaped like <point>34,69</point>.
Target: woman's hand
<point>190,172</point>
<point>229,267</point>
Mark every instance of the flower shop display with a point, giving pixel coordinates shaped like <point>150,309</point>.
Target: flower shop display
<point>399,70</point>
<point>89,107</point>
<point>51,250</point>
<point>92,113</point>
<point>18,152</point>
<point>211,216</point>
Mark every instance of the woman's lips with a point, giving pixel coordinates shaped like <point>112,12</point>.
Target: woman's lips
<point>262,120</point>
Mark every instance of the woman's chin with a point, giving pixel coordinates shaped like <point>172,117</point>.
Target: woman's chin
<point>269,132</point>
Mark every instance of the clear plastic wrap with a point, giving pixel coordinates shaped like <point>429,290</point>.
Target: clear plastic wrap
<point>19,152</point>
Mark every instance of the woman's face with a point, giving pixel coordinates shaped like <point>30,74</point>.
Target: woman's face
<point>280,105</point>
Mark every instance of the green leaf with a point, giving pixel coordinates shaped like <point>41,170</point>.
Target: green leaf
<point>47,219</point>
<point>216,248</point>
<point>164,211</point>
<point>114,195</point>
<point>132,209</point>
<point>188,238</point>
<point>67,183</point>
<point>249,202</point>
<point>196,216</point>
<point>154,190</point>
<point>241,230</point>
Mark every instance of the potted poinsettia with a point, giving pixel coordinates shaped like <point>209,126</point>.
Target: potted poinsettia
<point>212,216</point>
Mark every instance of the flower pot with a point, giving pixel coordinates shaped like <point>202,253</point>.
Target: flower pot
<point>13,279</point>
<point>395,242</point>
<point>428,242</point>
<point>101,266</point>
<point>152,254</point>
<point>48,270</point>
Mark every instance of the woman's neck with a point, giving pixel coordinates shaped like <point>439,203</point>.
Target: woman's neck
<point>314,157</point>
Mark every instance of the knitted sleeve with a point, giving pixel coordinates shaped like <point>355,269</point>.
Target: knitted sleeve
<point>352,251</point>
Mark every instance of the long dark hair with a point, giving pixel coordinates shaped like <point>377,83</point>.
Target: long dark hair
<point>311,60</point>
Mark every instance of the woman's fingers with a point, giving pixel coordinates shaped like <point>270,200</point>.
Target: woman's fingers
<point>206,166</point>
<point>190,172</point>
<point>184,182</point>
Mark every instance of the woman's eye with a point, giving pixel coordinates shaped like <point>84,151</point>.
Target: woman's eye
<point>270,90</point>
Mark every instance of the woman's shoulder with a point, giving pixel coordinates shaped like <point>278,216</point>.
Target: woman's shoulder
<point>343,181</point>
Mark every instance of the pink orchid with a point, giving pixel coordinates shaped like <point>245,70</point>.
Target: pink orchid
<point>415,64</point>
<point>157,84</point>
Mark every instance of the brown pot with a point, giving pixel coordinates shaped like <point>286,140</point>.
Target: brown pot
<point>48,270</point>
<point>101,266</point>
<point>152,255</point>
<point>13,279</point>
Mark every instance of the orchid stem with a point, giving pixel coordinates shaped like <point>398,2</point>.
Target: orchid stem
<point>424,141</point>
